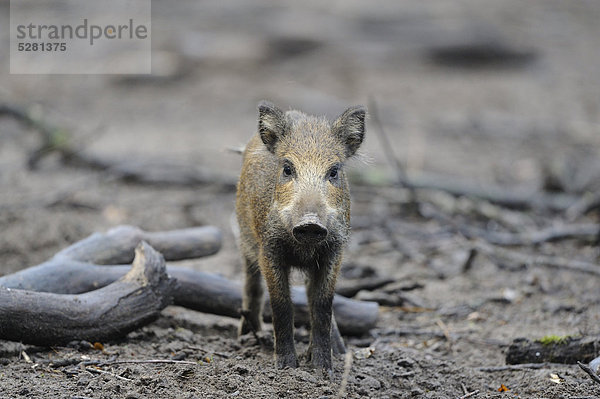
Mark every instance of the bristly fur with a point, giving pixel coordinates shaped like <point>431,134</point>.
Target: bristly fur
<point>293,176</point>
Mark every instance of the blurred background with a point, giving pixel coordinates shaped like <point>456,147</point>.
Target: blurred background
<point>479,91</point>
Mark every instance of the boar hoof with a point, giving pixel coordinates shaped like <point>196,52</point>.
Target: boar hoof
<point>322,362</point>
<point>261,338</point>
<point>245,327</point>
<point>284,361</point>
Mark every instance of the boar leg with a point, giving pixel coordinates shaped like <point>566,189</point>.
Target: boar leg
<point>282,308</point>
<point>252,300</point>
<point>320,290</point>
<point>337,342</point>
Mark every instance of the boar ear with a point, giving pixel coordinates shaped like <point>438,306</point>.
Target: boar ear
<point>350,128</point>
<point>271,124</point>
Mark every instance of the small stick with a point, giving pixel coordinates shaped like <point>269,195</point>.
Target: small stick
<point>26,357</point>
<point>444,329</point>
<point>576,231</point>
<point>347,367</point>
<point>538,260</point>
<point>470,259</point>
<point>589,371</point>
<point>95,370</point>
<point>148,361</point>
<point>514,367</point>
<point>411,331</point>
<point>468,395</point>
<point>197,348</point>
<point>387,147</point>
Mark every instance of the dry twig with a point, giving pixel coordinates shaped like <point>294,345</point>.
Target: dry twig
<point>515,367</point>
<point>469,394</point>
<point>347,367</point>
<point>147,361</point>
<point>508,197</point>
<point>537,260</point>
<point>57,140</point>
<point>99,371</point>
<point>589,371</point>
<point>578,231</point>
<point>386,145</point>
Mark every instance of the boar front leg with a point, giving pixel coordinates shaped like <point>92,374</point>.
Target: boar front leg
<point>278,284</point>
<point>320,290</point>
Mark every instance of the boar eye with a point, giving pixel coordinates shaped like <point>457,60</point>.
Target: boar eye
<point>333,172</point>
<point>287,170</point>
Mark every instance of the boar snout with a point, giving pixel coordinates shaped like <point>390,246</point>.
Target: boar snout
<point>309,230</point>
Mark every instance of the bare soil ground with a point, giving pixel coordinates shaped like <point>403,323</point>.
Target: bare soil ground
<point>479,91</point>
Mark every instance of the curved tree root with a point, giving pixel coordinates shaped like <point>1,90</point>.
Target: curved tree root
<point>110,312</point>
<point>85,266</point>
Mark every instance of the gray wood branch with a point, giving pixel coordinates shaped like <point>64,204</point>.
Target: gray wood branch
<point>132,301</point>
<point>77,269</point>
<point>567,351</point>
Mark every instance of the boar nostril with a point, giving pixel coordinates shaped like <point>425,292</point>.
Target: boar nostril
<point>310,232</point>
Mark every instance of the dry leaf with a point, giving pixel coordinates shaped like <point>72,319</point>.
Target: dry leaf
<point>555,378</point>
<point>98,346</point>
<point>475,316</point>
<point>503,388</point>
<point>364,353</point>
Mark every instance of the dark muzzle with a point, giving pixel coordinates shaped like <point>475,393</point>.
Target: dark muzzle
<point>309,232</point>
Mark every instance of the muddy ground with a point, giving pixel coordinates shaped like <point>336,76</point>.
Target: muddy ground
<point>484,92</point>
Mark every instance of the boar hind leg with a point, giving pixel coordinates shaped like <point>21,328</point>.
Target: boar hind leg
<point>320,290</point>
<point>337,342</point>
<point>277,280</point>
<point>252,300</point>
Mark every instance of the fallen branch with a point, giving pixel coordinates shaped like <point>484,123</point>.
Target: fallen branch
<point>508,197</point>
<point>148,361</point>
<point>514,367</point>
<point>566,351</point>
<point>149,172</point>
<point>469,394</point>
<point>517,198</point>
<point>578,231</point>
<point>116,245</point>
<point>224,297</point>
<point>412,331</point>
<point>99,371</point>
<point>107,313</point>
<point>76,270</point>
<point>351,287</point>
<point>585,204</point>
<point>57,140</point>
<point>53,139</point>
<point>537,260</point>
<point>589,371</point>
<point>204,292</point>
<point>386,145</point>
<point>392,299</point>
